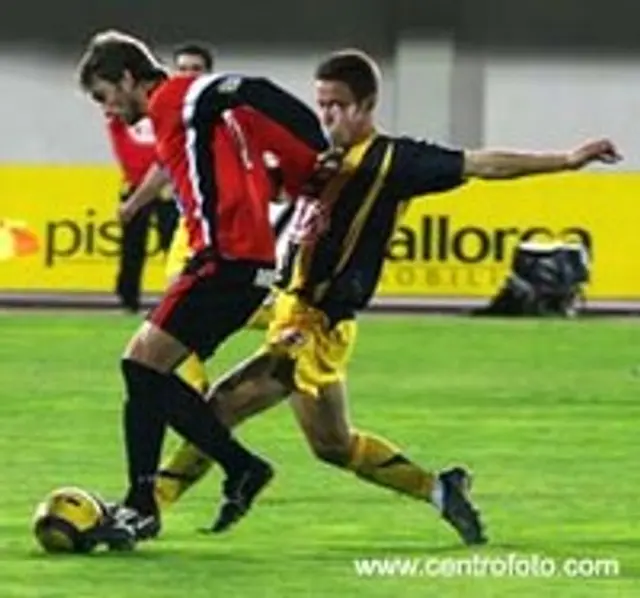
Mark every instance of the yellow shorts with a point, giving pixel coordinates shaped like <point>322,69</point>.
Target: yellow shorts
<point>320,353</point>
<point>179,252</point>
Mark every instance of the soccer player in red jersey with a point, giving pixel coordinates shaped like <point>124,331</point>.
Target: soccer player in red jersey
<point>211,135</point>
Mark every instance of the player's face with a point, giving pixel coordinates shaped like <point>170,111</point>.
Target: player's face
<point>190,64</point>
<point>340,112</point>
<point>121,99</point>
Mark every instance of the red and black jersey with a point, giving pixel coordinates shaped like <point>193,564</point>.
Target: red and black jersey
<point>133,146</point>
<point>211,135</point>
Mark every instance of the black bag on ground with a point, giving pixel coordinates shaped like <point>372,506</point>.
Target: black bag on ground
<point>547,279</point>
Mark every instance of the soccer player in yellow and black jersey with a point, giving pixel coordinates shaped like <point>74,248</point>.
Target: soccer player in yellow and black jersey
<point>337,248</point>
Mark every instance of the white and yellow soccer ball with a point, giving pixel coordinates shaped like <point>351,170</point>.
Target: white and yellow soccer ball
<point>67,519</point>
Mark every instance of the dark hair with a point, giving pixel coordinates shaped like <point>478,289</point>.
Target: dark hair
<point>195,49</point>
<point>355,69</point>
<point>111,53</point>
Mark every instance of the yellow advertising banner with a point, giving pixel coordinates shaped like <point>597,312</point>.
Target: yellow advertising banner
<point>460,244</point>
<point>59,232</point>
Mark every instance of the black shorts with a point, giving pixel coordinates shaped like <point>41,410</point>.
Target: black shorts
<point>210,301</point>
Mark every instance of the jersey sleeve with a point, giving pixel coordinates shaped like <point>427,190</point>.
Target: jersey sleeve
<point>282,124</point>
<point>419,168</point>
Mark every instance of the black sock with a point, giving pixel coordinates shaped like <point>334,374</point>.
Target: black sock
<point>193,418</point>
<point>144,429</point>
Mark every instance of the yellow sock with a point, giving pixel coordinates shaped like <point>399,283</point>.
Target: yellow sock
<point>183,468</point>
<point>377,461</point>
<point>261,318</point>
<point>193,372</point>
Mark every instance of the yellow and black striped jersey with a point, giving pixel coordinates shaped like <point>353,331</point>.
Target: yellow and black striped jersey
<point>338,241</point>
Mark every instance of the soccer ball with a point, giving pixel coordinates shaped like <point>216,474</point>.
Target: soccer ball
<point>66,519</point>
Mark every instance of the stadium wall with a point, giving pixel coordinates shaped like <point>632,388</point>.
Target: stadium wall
<point>539,75</point>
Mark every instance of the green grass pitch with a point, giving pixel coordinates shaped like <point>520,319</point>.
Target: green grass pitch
<point>546,413</point>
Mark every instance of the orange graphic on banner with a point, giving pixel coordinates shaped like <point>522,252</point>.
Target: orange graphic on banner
<point>16,240</point>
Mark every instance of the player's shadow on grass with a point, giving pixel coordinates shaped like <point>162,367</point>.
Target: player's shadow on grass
<point>154,554</point>
<point>328,552</point>
<point>322,499</point>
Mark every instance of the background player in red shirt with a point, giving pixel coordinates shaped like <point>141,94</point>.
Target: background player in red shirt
<point>211,135</point>
<point>134,149</point>
<point>192,58</point>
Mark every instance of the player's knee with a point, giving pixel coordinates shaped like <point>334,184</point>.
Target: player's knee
<point>333,452</point>
<point>139,349</point>
<point>136,350</point>
<point>155,349</point>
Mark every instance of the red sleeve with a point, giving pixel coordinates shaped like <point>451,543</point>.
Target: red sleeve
<point>286,127</point>
<point>297,159</point>
<point>282,124</point>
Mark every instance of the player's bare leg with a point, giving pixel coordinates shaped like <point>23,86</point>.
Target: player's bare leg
<point>156,397</point>
<point>257,384</point>
<point>325,423</point>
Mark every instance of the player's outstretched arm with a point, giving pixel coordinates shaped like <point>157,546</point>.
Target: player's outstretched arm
<point>151,187</point>
<point>490,164</point>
